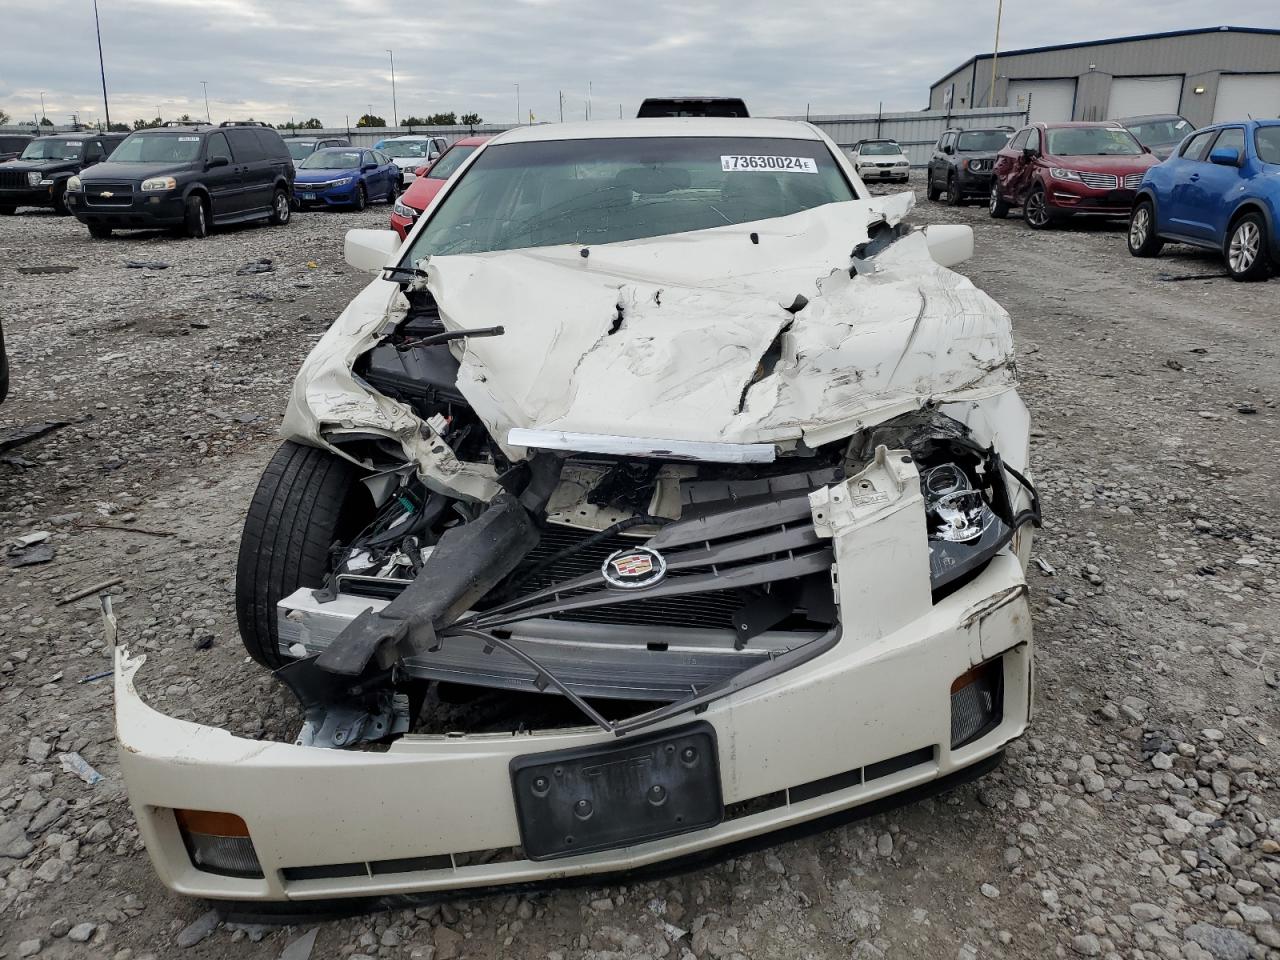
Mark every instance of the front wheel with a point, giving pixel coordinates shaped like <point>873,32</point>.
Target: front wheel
<point>99,232</point>
<point>1035,210</point>
<point>931,187</point>
<point>281,208</point>
<point>60,201</point>
<point>1246,248</point>
<point>1142,239</point>
<point>362,199</point>
<point>996,205</point>
<point>195,219</point>
<point>954,196</point>
<point>307,500</point>
<point>394,191</point>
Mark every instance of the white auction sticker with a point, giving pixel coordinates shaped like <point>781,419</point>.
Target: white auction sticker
<point>778,164</point>
<point>188,139</point>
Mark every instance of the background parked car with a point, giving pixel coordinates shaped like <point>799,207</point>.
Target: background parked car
<point>347,177</point>
<point>412,152</point>
<point>1161,132</point>
<point>302,147</point>
<point>880,160</point>
<point>1056,170</point>
<point>962,162</point>
<point>424,189</point>
<point>12,145</point>
<point>38,178</point>
<point>1220,191</point>
<point>187,178</point>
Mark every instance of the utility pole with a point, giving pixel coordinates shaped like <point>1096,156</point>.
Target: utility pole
<point>207,115</point>
<point>562,106</point>
<point>517,104</point>
<point>102,69</point>
<point>395,118</point>
<point>588,99</point>
<point>43,112</point>
<point>995,54</point>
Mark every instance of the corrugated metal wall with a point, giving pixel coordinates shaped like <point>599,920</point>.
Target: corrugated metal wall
<point>915,132</point>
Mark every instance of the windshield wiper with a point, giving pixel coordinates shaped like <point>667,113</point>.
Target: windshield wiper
<point>407,271</point>
<point>438,338</point>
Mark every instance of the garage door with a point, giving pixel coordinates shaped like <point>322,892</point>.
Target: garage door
<point>1050,99</point>
<point>1247,95</point>
<point>1136,96</point>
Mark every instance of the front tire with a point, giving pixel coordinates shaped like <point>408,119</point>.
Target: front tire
<point>1142,239</point>
<point>954,197</point>
<point>195,218</point>
<point>1246,249</point>
<point>307,500</point>
<point>394,191</point>
<point>996,205</point>
<point>281,208</point>
<point>362,199</point>
<point>99,232</point>
<point>1035,209</point>
<point>932,189</point>
<point>60,201</point>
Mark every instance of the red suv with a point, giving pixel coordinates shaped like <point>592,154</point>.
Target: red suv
<point>1054,170</point>
<point>428,183</point>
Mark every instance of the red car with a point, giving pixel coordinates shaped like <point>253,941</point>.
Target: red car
<point>1055,170</point>
<point>430,179</point>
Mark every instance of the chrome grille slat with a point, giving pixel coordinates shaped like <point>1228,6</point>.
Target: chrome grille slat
<point>1099,181</point>
<point>1132,181</point>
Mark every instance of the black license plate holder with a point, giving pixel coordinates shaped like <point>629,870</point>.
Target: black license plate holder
<point>607,796</point>
<point>1121,197</point>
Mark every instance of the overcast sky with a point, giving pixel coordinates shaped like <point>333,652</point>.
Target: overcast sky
<point>277,59</point>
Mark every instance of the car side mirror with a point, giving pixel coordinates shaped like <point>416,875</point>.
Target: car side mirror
<point>949,244</point>
<point>1225,156</point>
<point>948,149</point>
<point>369,166</point>
<point>218,161</point>
<point>370,250</point>
<point>1145,148</point>
<point>1029,152</point>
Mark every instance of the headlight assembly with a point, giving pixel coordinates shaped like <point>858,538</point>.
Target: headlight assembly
<point>157,184</point>
<point>33,178</point>
<point>1062,173</point>
<point>404,210</point>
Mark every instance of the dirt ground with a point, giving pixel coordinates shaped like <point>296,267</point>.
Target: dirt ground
<point>1139,818</point>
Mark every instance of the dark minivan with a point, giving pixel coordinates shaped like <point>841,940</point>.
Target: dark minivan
<point>187,179</point>
<point>38,178</point>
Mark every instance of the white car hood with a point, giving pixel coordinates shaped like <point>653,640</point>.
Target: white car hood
<point>693,355</point>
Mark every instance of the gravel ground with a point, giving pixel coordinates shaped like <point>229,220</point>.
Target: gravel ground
<point>1140,818</point>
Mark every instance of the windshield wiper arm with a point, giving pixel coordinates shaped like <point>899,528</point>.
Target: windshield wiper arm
<point>408,271</point>
<point>438,338</point>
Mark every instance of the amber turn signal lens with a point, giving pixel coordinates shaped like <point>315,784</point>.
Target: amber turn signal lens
<point>211,823</point>
<point>218,843</point>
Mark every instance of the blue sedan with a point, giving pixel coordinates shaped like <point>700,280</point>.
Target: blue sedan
<point>1220,190</point>
<point>347,177</point>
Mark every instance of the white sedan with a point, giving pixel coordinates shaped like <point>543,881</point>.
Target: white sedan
<point>880,160</point>
<point>413,151</point>
<point>672,476</point>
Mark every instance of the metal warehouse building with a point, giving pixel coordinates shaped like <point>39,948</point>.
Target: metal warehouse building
<point>1207,75</point>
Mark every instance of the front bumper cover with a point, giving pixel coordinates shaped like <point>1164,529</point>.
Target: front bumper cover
<point>867,719</point>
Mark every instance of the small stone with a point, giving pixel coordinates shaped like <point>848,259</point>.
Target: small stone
<point>204,925</point>
<point>1086,944</point>
<point>81,932</point>
<point>602,905</point>
<point>1161,761</point>
<point>1145,912</point>
<point>1222,944</point>
<point>13,841</point>
<point>60,927</point>
<point>301,948</point>
<point>1252,914</point>
<point>38,751</point>
<point>447,941</point>
<point>28,948</point>
<point>990,891</point>
<point>884,845</point>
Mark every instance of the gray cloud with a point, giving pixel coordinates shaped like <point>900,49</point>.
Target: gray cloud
<point>327,58</point>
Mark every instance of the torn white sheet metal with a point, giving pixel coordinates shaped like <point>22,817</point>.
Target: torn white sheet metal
<point>669,338</point>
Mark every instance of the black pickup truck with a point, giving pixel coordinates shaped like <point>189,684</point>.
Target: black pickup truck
<point>38,178</point>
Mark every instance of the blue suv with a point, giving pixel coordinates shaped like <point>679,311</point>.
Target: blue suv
<point>1221,190</point>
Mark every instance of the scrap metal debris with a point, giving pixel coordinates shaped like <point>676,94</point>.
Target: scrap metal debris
<point>147,265</point>
<point>262,265</point>
<point>1176,277</point>
<point>50,268</point>
<point>16,436</point>
<point>29,550</point>
<point>89,591</point>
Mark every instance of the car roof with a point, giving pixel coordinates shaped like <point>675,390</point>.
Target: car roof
<point>472,141</point>
<point>661,127</point>
<point>414,136</point>
<point>1147,117</point>
<point>1063,124</point>
<point>200,128</point>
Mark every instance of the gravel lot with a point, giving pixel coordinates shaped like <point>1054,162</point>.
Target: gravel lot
<point>1140,817</point>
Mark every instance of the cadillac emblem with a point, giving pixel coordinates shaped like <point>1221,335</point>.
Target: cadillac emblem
<point>633,568</point>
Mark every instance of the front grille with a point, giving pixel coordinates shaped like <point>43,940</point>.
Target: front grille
<point>13,180</point>
<point>712,610</point>
<point>1133,181</point>
<point>1099,181</point>
<point>121,194</point>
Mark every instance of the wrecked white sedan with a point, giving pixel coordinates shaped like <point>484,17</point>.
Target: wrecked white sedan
<point>664,490</point>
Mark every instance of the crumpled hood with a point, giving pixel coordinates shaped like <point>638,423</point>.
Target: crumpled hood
<point>697,336</point>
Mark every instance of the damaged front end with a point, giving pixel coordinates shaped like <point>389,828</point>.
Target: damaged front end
<point>638,566</point>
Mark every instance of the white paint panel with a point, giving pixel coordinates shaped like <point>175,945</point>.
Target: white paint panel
<point>1243,96</point>
<point>1136,96</point>
<point>1050,100</point>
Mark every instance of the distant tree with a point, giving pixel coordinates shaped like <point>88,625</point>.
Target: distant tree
<point>414,122</point>
<point>186,118</point>
<point>442,119</point>
<point>46,122</point>
<point>119,128</point>
<point>4,118</point>
<point>312,124</point>
<point>472,120</point>
<point>147,124</point>
<point>370,120</point>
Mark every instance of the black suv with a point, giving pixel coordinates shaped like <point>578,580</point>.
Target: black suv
<point>187,179</point>
<point>962,163</point>
<point>12,144</point>
<point>38,178</point>
<point>302,147</point>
